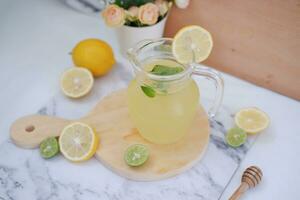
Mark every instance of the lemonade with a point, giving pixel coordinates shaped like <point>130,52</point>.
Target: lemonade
<point>166,117</point>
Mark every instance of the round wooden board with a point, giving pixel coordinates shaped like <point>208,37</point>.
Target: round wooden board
<point>111,121</point>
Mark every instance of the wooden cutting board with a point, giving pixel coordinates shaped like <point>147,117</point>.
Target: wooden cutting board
<point>256,40</point>
<point>110,119</point>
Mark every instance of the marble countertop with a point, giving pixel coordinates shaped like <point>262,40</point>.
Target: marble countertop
<point>35,40</point>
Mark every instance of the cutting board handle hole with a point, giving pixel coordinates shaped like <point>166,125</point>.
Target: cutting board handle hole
<point>29,128</point>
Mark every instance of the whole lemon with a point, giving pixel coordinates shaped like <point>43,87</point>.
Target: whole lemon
<point>95,55</point>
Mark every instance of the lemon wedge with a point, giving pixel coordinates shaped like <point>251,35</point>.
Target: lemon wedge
<point>252,120</point>
<point>192,44</point>
<point>76,82</point>
<point>78,142</point>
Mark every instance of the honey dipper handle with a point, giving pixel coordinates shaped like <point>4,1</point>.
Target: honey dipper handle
<point>240,191</point>
<point>30,131</point>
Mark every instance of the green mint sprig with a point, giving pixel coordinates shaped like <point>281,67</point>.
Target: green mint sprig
<point>148,91</point>
<point>160,70</point>
<point>163,70</point>
<point>128,3</point>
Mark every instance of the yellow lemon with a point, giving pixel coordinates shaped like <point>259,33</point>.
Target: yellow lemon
<point>95,55</point>
<point>252,120</point>
<point>78,142</point>
<point>192,44</point>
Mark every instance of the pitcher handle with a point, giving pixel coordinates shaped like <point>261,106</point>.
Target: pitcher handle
<point>219,84</point>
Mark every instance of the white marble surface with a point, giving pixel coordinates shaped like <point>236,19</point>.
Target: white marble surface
<point>35,39</point>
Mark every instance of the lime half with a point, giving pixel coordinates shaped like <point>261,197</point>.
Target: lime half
<point>136,155</point>
<point>49,147</point>
<point>236,137</point>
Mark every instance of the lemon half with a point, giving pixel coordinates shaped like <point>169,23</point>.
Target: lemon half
<point>76,82</point>
<point>252,120</point>
<point>78,142</point>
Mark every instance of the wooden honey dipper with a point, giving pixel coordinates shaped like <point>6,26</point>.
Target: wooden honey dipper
<point>251,177</point>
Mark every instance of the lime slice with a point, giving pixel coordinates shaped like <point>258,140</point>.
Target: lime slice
<point>236,137</point>
<point>49,147</point>
<point>136,155</point>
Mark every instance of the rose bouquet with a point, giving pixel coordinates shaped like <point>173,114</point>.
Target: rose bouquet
<point>137,20</point>
<point>138,13</point>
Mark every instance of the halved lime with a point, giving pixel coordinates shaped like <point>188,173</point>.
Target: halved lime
<point>236,137</point>
<point>49,147</point>
<point>136,155</point>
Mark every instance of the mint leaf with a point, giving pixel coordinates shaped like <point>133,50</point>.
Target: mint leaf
<point>164,47</point>
<point>128,3</point>
<point>149,91</point>
<point>163,70</point>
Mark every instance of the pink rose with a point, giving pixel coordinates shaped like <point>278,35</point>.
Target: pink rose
<point>182,3</point>
<point>158,2</point>
<point>133,11</point>
<point>114,16</point>
<point>163,6</point>
<point>148,14</point>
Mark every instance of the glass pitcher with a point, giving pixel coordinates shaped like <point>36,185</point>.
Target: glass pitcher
<point>163,107</point>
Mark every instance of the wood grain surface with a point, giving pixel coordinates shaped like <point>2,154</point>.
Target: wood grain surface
<point>110,119</point>
<point>258,41</point>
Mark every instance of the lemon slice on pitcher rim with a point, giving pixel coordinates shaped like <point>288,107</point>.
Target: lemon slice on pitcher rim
<point>192,44</point>
<point>76,82</point>
<point>78,142</point>
<point>252,120</point>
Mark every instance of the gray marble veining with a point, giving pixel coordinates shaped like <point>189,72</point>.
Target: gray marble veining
<point>25,175</point>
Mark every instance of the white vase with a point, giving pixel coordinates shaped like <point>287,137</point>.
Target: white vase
<point>128,36</point>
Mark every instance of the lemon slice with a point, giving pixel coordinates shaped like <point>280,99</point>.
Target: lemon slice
<point>76,82</point>
<point>78,142</point>
<point>252,120</point>
<point>192,44</point>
